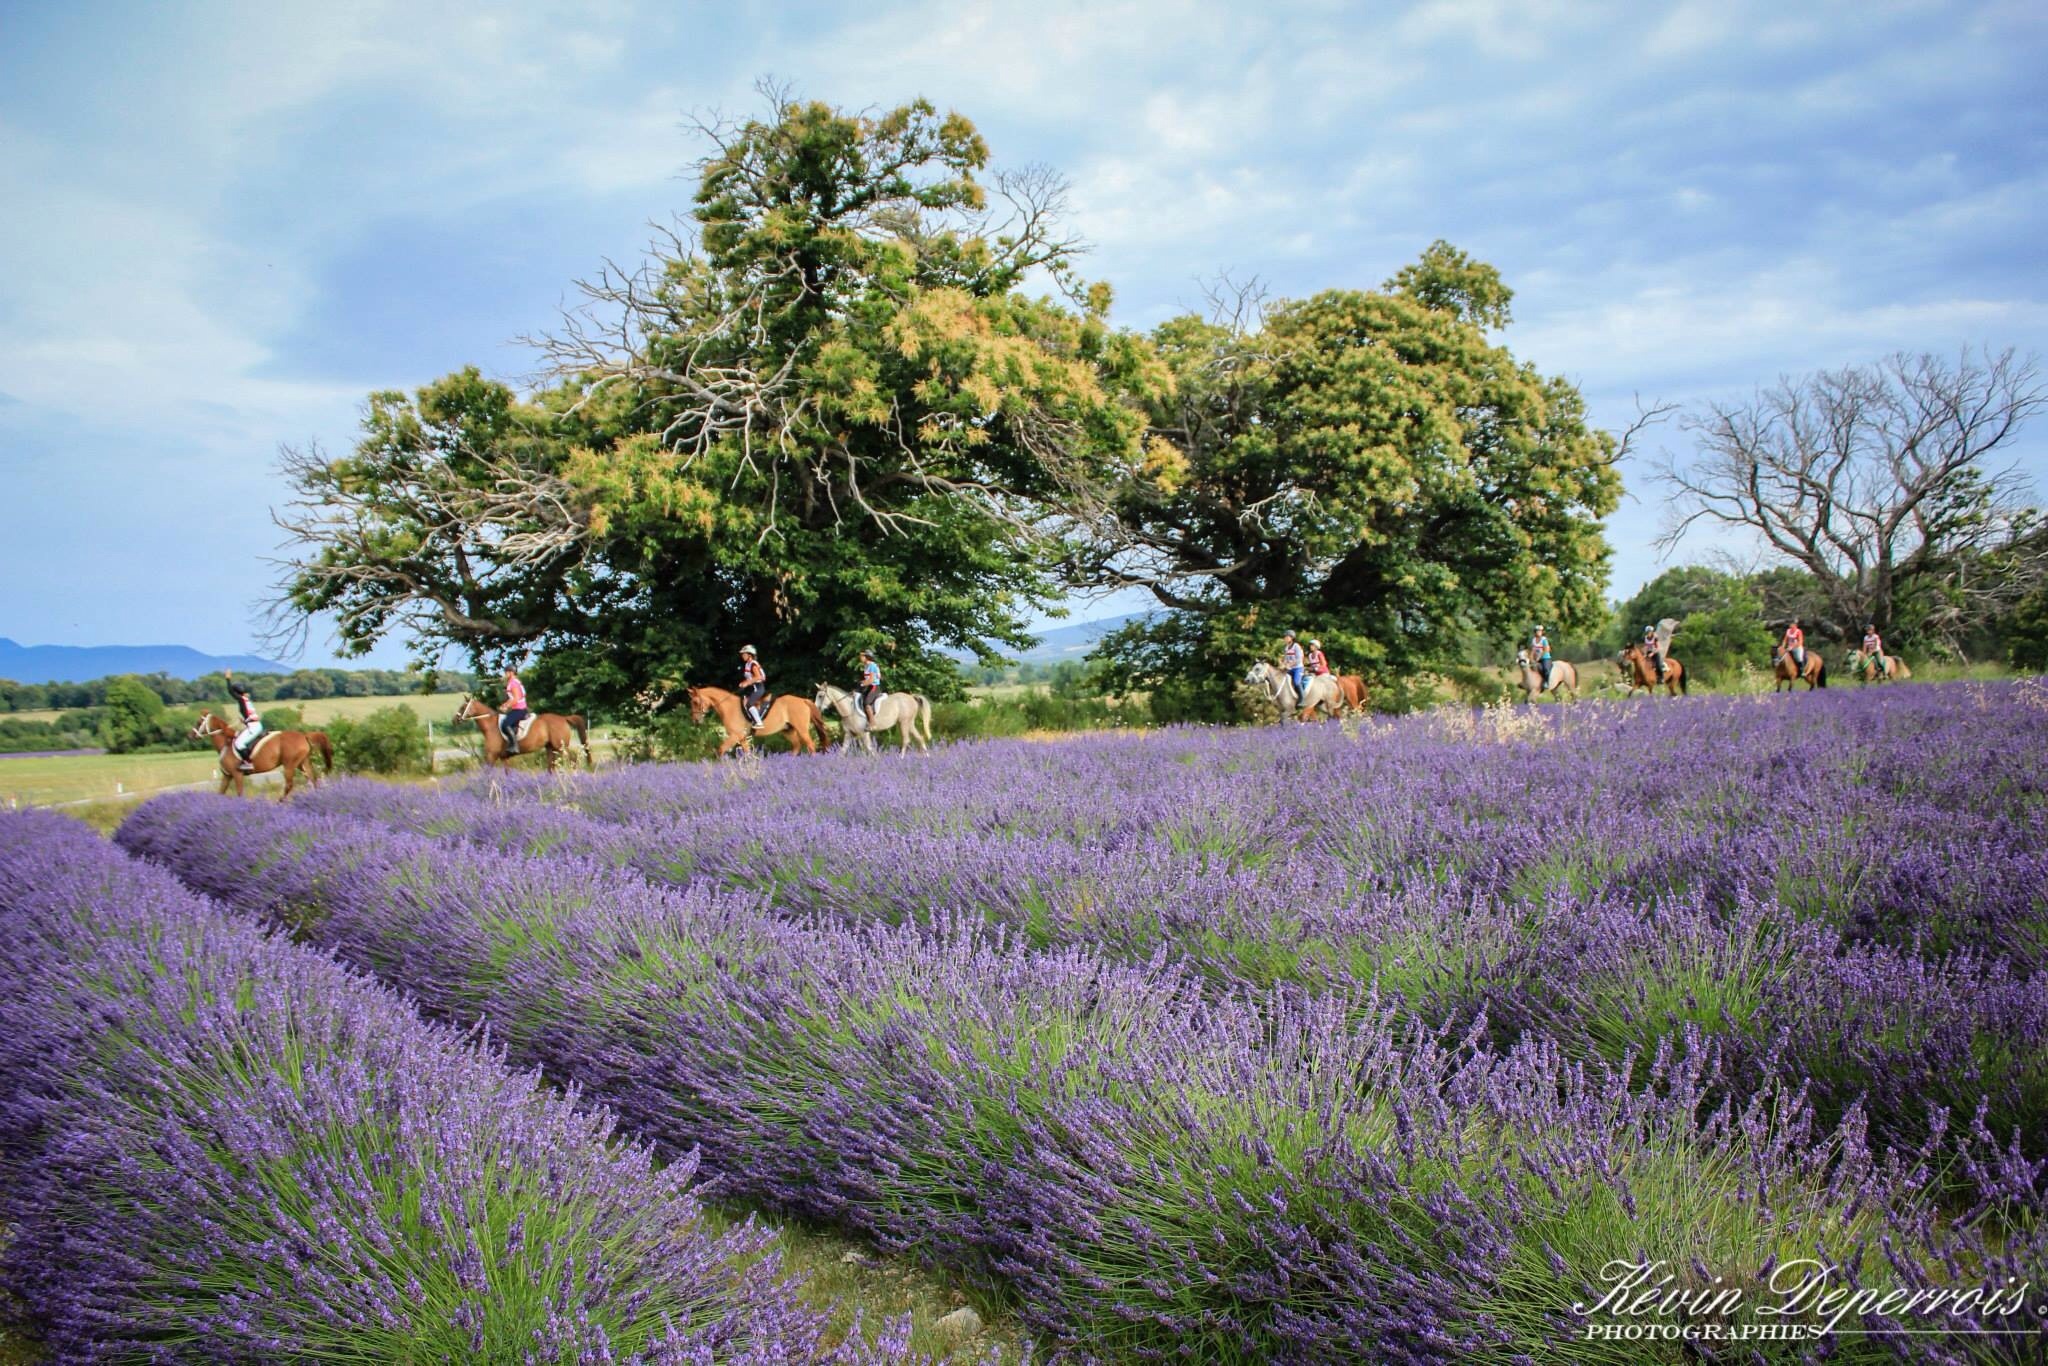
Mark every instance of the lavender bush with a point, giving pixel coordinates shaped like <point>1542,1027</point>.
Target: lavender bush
<point>1161,1163</point>
<point>219,1146</point>
<point>1847,894</point>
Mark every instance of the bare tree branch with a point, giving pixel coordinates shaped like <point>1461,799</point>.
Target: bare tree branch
<point>1875,480</point>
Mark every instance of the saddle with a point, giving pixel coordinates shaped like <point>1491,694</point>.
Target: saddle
<point>525,725</point>
<point>265,738</point>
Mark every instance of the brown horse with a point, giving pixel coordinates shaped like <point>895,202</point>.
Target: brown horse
<point>1639,672</point>
<point>1786,673</point>
<point>788,714</point>
<point>290,750</point>
<point>548,731</point>
<point>1877,668</point>
<point>1353,689</point>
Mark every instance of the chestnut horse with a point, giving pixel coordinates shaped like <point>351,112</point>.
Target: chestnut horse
<point>1786,673</point>
<point>1639,672</point>
<point>548,731</point>
<point>1877,668</point>
<point>787,714</point>
<point>290,750</point>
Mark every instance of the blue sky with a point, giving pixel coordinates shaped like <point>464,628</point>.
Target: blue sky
<point>221,225</point>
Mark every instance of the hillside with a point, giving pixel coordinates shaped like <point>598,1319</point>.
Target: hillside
<point>80,663</point>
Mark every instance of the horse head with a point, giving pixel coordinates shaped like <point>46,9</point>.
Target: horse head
<point>1521,659</point>
<point>700,702</point>
<point>463,712</point>
<point>206,727</point>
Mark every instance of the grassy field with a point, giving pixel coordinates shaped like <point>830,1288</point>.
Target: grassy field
<point>84,777</point>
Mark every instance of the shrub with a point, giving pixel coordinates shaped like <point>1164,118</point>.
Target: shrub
<point>389,740</point>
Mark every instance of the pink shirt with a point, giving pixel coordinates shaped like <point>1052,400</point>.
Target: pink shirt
<point>515,695</point>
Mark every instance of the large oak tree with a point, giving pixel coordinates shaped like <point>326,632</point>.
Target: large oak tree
<point>1367,467</point>
<point>826,413</point>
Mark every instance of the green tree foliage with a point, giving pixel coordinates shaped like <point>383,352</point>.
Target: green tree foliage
<point>1363,467</point>
<point>134,715</point>
<point>825,417</point>
<point>2025,633</point>
<point>1721,618</point>
<point>389,740</point>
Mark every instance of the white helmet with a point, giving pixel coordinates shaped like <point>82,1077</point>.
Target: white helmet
<point>747,649</point>
<point>1315,645</point>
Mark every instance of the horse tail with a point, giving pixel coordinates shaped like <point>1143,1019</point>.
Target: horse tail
<point>1820,675</point>
<point>924,714</point>
<point>582,729</point>
<point>1683,689</point>
<point>318,740</point>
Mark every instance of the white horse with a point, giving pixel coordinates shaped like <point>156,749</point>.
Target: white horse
<point>1564,678</point>
<point>1322,691</point>
<point>900,711</point>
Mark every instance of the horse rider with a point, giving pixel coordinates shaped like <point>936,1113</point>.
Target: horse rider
<point>870,684</point>
<point>1794,644</point>
<point>1873,651</point>
<point>513,712</point>
<point>1539,650</point>
<point>252,722</point>
<point>1318,662</point>
<point>1292,663</point>
<point>1653,648</point>
<point>753,685</point>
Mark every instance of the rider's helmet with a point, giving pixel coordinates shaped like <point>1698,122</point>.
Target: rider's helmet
<point>746,649</point>
<point>1870,628</point>
<point>1288,635</point>
<point>1315,645</point>
<point>867,654</point>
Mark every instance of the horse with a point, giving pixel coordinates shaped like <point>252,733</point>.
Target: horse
<point>1563,678</point>
<point>1353,688</point>
<point>1639,672</point>
<point>542,730</point>
<point>1322,691</point>
<point>322,746</point>
<point>1787,674</point>
<point>290,750</point>
<point>1865,668</point>
<point>786,714</point>
<point>898,711</point>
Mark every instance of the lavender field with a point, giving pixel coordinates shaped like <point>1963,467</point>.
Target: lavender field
<point>1316,1044</point>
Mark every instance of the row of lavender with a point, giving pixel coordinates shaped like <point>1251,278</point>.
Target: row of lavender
<point>219,1146</point>
<point>1849,893</point>
<point>1159,1165</point>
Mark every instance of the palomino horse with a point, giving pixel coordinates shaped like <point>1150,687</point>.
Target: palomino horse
<point>1563,678</point>
<point>897,711</point>
<point>1787,674</point>
<point>1865,668</point>
<point>1323,691</point>
<point>1639,672</point>
<point>544,730</point>
<point>786,714</point>
<point>290,750</point>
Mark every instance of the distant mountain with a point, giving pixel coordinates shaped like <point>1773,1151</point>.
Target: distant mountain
<point>1075,641</point>
<point>79,663</point>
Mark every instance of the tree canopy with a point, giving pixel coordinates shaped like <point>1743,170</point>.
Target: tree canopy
<point>823,415</point>
<point>1366,467</point>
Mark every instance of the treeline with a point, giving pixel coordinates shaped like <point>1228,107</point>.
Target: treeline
<point>1726,620</point>
<point>303,685</point>
<point>130,713</point>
